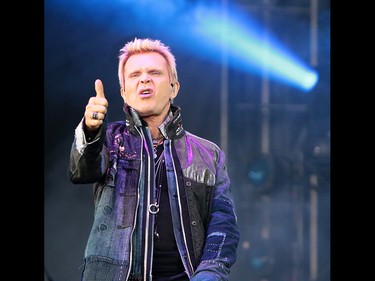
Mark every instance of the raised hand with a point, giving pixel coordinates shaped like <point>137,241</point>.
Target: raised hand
<point>96,109</point>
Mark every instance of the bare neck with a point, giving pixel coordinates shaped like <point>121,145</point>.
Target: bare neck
<point>153,122</point>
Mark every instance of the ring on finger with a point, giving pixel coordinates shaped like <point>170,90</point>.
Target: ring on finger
<point>94,115</point>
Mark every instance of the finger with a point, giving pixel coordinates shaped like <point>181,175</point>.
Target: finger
<point>97,116</point>
<point>97,104</point>
<point>99,89</point>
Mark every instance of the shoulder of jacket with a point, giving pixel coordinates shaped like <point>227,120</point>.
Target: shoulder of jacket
<point>203,141</point>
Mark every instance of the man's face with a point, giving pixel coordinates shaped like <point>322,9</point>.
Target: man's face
<point>147,84</point>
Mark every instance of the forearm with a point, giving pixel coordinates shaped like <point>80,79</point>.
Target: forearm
<point>88,159</point>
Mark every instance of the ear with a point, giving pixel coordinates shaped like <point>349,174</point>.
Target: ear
<point>122,92</point>
<point>175,89</point>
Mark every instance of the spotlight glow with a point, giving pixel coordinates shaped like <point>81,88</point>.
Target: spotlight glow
<point>202,29</point>
<point>252,49</point>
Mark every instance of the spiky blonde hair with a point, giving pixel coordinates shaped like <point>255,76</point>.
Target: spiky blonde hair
<point>145,46</point>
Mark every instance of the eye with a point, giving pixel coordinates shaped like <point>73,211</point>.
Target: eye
<point>155,72</point>
<point>134,74</point>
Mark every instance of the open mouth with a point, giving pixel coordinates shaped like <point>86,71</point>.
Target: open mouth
<point>145,92</point>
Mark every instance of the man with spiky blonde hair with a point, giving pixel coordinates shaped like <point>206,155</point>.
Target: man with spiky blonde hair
<point>164,209</point>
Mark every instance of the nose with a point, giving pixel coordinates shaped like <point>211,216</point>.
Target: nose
<point>145,79</point>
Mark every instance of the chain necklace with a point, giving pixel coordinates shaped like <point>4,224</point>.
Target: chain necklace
<point>155,207</point>
<point>155,143</point>
<point>159,163</point>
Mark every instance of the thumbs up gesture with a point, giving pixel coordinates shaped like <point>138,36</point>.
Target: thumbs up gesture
<point>96,108</point>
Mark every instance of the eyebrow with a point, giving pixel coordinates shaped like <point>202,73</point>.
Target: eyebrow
<point>148,71</point>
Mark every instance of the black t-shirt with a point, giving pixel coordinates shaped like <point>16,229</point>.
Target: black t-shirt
<point>167,264</point>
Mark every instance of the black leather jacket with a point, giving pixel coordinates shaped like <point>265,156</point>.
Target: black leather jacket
<point>119,161</point>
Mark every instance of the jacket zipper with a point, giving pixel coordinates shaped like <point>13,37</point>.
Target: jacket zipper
<point>188,266</point>
<point>148,249</point>
<point>135,216</point>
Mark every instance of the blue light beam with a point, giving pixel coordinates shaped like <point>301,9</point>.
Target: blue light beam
<point>201,29</point>
<point>252,49</point>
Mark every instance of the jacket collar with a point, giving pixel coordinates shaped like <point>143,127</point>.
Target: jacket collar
<point>171,128</point>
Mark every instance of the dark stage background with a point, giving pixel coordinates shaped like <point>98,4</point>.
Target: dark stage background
<point>285,216</point>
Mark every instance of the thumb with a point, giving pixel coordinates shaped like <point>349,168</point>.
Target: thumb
<point>99,89</point>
